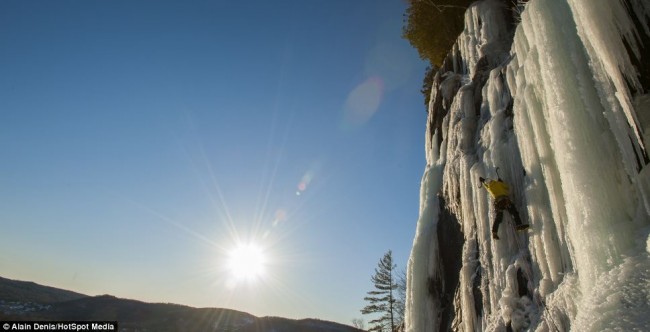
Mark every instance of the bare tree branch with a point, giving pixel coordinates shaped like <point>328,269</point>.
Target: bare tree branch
<point>441,8</point>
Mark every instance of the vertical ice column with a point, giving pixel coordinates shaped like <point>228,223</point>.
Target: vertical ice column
<point>422,310</point>
<point>586,156</point>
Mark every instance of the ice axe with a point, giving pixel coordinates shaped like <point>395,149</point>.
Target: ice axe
<point>481,179</point>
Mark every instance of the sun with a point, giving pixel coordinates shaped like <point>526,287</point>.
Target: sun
<point>246,262</point>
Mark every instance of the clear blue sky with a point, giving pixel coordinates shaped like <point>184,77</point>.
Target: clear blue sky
<point>140,141</point>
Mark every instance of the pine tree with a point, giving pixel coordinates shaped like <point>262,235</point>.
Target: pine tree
<point>400,301</point>
<point>381,300</point>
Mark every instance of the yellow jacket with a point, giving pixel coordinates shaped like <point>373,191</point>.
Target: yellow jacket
<point>497,188</point>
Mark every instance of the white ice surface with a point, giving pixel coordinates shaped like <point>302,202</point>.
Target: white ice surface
<point>569,149</point>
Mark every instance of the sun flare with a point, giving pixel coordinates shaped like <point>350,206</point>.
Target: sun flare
<point>246,262</point>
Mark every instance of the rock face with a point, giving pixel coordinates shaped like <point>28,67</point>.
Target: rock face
<point>553,95</point>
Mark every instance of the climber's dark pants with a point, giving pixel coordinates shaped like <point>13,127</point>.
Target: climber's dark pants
<point>500,204</point>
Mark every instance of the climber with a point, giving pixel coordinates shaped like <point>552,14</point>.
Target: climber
<point>500,192</point>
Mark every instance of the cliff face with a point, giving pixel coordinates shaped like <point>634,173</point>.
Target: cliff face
<point>554,95</point>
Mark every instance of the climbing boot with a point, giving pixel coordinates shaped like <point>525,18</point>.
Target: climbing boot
<point>522,227</point>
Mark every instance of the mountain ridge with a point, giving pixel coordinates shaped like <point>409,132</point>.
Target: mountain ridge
<point>25,300</point>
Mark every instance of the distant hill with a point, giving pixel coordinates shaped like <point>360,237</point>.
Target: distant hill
<point>24,291</point>
<point>20,300</point>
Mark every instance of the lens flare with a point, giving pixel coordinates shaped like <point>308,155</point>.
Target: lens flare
<point>280,216</point>
<point>304,182</point>
<point>363,102</point>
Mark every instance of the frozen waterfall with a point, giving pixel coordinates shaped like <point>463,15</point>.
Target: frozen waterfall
<point>558,107</point>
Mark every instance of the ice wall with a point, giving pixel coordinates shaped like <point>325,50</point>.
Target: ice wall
<point>558,106</point>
